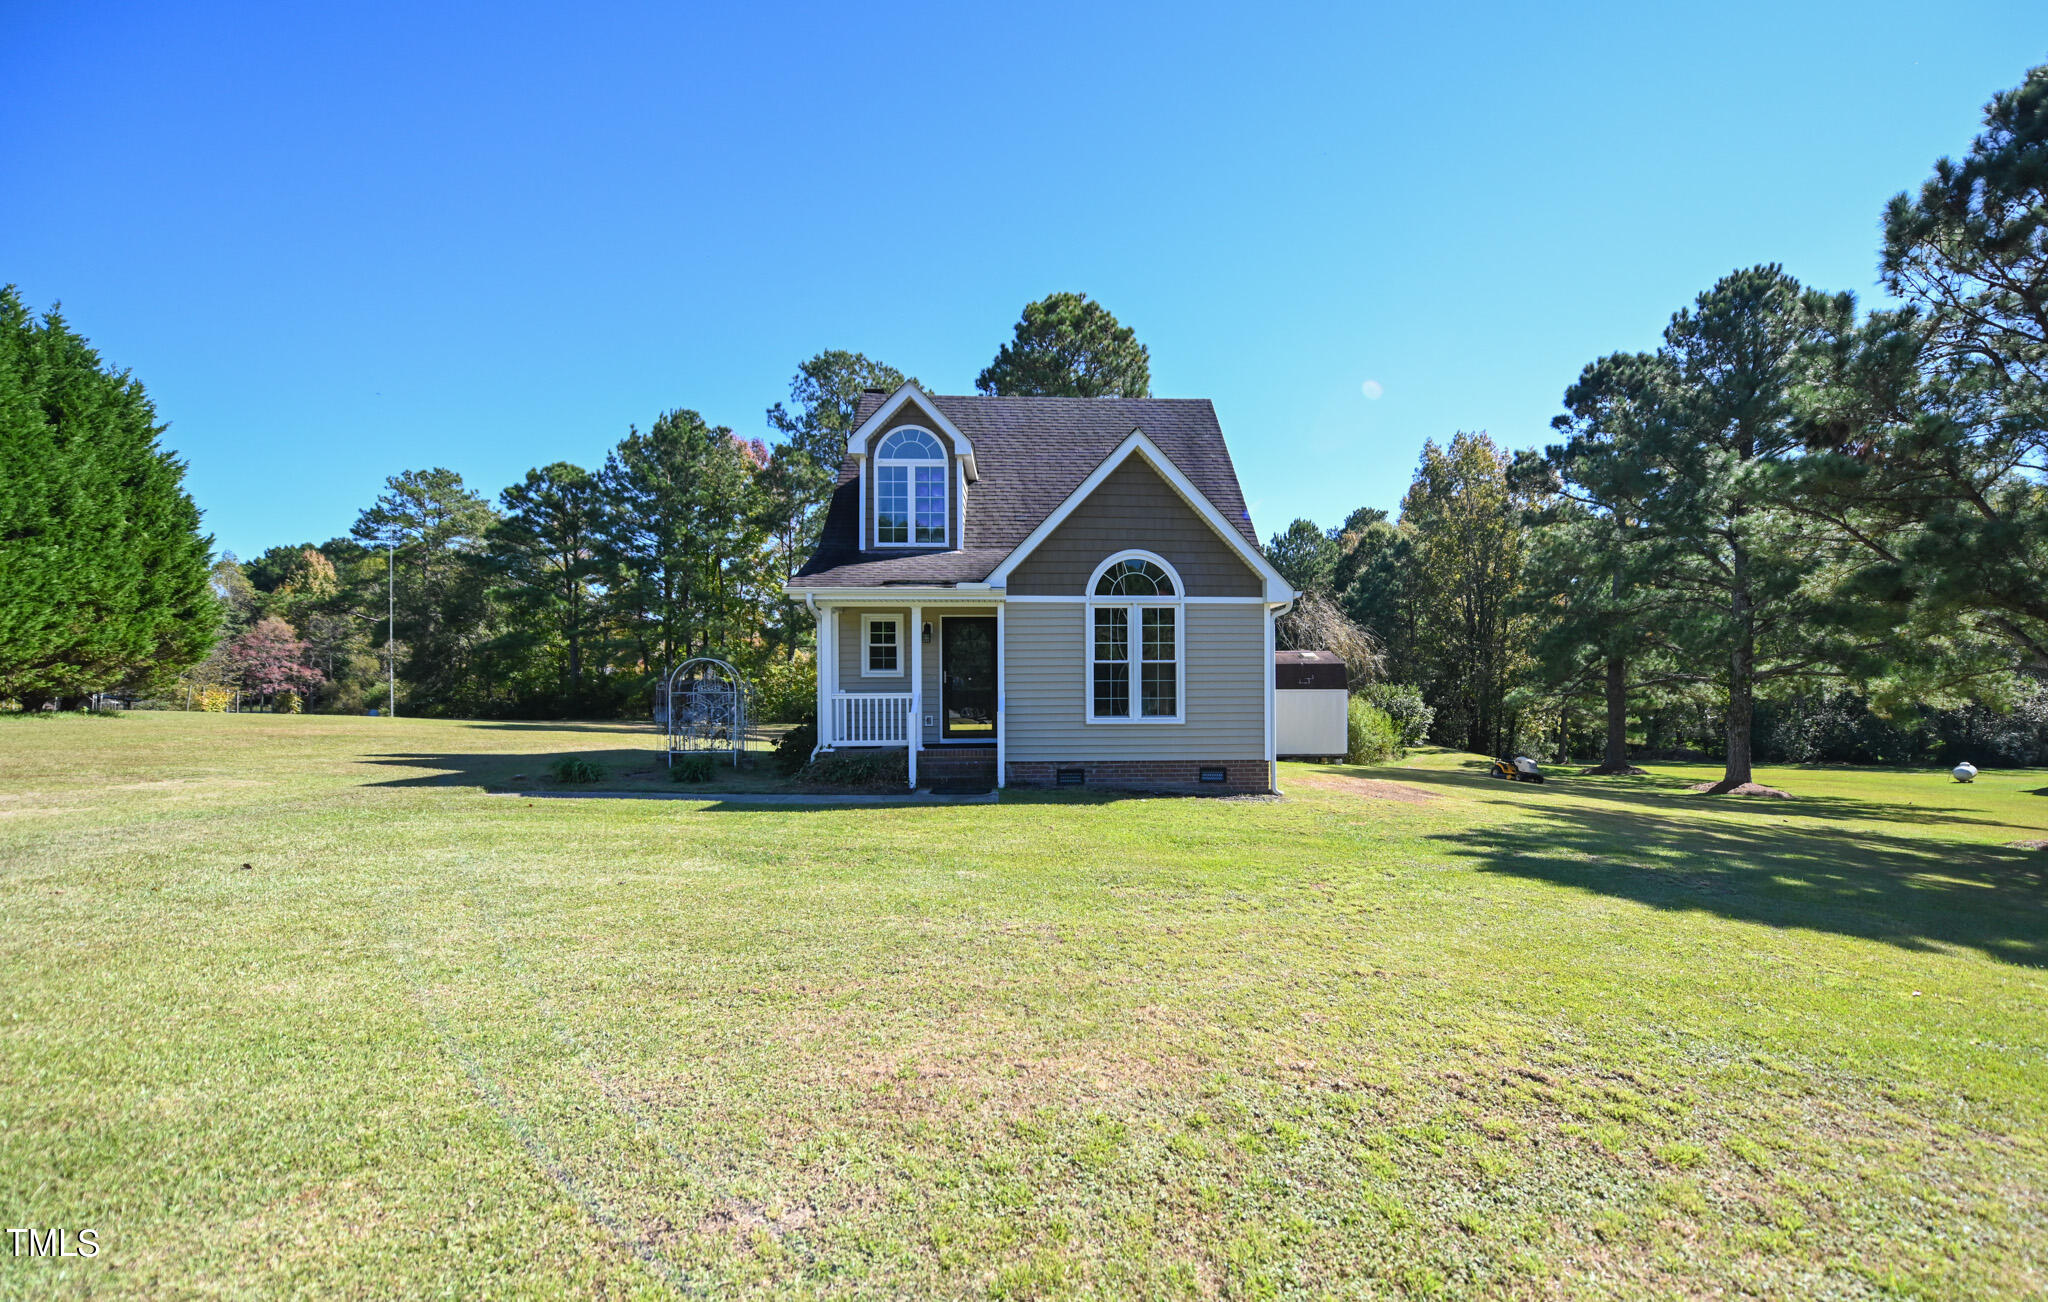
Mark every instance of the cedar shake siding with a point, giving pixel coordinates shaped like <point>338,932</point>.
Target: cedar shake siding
<point>1134,507</point>
<point>1032,453</point>
<point>912,414</point>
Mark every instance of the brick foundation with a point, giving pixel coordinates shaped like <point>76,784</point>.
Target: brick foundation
<point>1241,776</point>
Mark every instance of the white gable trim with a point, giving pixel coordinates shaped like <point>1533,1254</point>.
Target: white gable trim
<point>857,442</point>
<point>1137,444</point>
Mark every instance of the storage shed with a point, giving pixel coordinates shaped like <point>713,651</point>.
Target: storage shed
<point>1311,697</point>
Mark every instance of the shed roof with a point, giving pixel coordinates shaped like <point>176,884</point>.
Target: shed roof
<point>1310,670</point>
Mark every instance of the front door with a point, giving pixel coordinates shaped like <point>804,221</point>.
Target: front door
<point>967,657</point>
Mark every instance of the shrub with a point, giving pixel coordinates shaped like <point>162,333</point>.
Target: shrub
<point>691,768</point>
<point>860,768</point>
<point>786,691</point>
<point>288,702</point>
<point>793,750</point>
<point>1404,705</point>
<point>574,768</point>
<point>1374,738</point>
<point>213,700</point>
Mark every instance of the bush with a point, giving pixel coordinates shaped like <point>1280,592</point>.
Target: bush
<point>691,768</point>
<point>794,749</point>
<point>576,769</point>
<point>860,768</point>
<point>1374,737</point>
<point>1403,704</point>
<point>786,691</point>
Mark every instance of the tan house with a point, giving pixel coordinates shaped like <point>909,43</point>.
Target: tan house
<point>1046,591</point>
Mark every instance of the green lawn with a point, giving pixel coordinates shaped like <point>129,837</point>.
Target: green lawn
<point>1408,1032</point>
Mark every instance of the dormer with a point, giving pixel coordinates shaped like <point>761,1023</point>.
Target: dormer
<point>915,468</point>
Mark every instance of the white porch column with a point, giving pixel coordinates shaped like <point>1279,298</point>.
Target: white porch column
<point>916,689</point>
<point>828,670</point>
<point>1002,678</point>
<point>1272,735</point>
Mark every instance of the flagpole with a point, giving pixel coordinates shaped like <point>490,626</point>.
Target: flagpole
<point>391,624</point>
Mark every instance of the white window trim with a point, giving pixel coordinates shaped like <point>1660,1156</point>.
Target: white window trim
<point>945,477</point>
<point>867,622</point>
<point>1134,639</point>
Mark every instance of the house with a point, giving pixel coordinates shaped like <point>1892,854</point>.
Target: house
<point>1046,591</point>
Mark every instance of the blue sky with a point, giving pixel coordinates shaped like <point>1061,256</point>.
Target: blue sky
<point>344,241</point>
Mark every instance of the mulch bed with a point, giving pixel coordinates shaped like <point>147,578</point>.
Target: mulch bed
<point>1372,788</point>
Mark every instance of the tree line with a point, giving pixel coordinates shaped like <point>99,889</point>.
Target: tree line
<point>569,593</point>
<point>1791,513</point>
<point>1787,501</point>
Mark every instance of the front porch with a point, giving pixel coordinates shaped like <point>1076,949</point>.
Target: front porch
<point>925,676</point>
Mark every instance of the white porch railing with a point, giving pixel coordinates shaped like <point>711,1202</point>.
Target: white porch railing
<point>870,719</point>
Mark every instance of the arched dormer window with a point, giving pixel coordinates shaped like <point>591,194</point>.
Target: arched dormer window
<point>1135,640</point>
<point>911,509</point>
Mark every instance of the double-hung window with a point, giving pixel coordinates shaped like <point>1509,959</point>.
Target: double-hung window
<point>1134,642</point>
<point>910,490</point>
<point>881,647</point>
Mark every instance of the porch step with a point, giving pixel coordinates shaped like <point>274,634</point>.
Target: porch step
<point>957,764</point>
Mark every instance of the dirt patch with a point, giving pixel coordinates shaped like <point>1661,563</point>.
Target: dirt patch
<point>1370,788</point>
<point>1614,771</point>
<point>2028,845</point>
<point>1741,789</point>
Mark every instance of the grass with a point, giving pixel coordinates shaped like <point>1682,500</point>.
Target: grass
<point>1408,1032</point>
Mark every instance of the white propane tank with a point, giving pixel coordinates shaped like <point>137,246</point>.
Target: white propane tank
<point>1965,771</point>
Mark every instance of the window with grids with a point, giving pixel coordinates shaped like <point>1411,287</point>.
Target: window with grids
<point>884,648</point>
<point>1134,643</point>
<point>910,490</point>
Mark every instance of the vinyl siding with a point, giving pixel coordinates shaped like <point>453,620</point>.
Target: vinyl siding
<point>1224,678</point>
<point>1135,507</point>
<point>853,652</point>
<point>852,649</point>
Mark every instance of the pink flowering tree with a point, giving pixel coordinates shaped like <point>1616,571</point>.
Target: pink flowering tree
<point>271,659</point>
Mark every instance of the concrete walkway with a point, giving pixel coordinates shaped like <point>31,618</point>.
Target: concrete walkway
<point>760,797</point>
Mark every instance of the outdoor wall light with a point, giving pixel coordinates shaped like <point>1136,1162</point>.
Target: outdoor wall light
<point>927,630</point>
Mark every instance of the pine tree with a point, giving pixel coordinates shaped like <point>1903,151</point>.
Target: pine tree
<point>545,550</point>
<point>1069,346</point>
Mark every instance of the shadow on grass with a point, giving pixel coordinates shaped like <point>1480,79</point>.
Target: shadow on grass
<point>1910,892</point>
<point>517,772</point>
<point>1673,795</point>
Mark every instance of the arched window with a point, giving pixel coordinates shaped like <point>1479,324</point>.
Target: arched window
<point>910,490</point>
<point>1135,638</point>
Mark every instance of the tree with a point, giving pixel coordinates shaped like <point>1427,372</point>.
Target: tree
<point>1069,346</point>
<point>1757,593</point>
<point>686,532</point>
<point>826,391</point>
<point>1315,623</point>
<point>546,551</point>
<point>103,571</point>
<point>270,658</point>
<point>436,527</point>
<point>1932,422</point>
<point>1305,556</point>
<point>1593,566</point>
<point>1464,523</point>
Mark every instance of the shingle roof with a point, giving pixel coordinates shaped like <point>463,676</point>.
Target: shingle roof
<point>1032,453</point>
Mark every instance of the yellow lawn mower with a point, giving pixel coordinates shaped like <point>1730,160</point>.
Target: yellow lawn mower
<point>1519,769</point>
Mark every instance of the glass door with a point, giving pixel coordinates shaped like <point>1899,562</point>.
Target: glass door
<point>967,659</point>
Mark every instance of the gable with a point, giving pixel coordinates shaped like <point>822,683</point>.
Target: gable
<point>1134,506</point>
